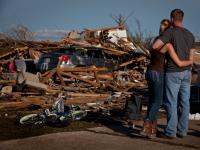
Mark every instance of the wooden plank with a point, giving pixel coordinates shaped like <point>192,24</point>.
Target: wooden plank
<point>132,61</point>
<point>113,87</point>
<point>79,78</point>
<point>107,76</point>
<point>22,104</point>
<point>87,95</point>
<point>102,29</point>
<point>7,82</point>
<point>60,78</point>
<point>84,69</point>
<point>113,51</point>
<point>52,72</point>
<point>81,100</point>
<point>96,76</point>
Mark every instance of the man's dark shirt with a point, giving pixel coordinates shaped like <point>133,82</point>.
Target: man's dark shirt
<point>182,41</point>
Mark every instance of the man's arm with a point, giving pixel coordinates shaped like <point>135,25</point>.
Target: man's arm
<point>157,45</point>
<point>162,39</point>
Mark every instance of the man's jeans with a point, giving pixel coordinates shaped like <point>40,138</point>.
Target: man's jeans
<point>155,84</point>
<point>176,102</point>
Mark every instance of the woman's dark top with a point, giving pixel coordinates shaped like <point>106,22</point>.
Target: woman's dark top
<point>157,60</point>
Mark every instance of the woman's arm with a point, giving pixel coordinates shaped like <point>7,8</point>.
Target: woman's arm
<point>170,49</point>
<point>191,57</point>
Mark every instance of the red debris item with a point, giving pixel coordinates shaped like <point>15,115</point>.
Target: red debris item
<point>64,58</point>
<point>12,67</point>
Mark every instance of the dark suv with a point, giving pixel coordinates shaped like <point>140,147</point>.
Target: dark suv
<point>76,56</point>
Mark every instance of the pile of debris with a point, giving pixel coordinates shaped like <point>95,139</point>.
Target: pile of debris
<point>84,84</point>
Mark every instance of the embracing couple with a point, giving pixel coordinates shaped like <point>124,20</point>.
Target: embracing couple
<point>169,76</point>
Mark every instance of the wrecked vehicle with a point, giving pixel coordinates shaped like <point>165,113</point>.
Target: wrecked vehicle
<point>75,56</point>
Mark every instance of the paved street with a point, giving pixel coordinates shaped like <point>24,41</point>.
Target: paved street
<point>107,138</point>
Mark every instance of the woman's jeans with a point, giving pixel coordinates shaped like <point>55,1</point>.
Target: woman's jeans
<point>155,82</point>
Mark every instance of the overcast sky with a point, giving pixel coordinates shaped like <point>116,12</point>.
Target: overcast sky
<point>39,15</point>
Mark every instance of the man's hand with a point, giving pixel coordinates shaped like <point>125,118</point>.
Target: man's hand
<point>157,45</point>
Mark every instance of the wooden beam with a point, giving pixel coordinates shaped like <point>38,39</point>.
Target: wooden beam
<point>60,78</point>
<point>83,69</point>
<point>87,95</point>
<point>51,73</point>
<point>132,61</point>
<point>113,51</point>
<point>79,78</point>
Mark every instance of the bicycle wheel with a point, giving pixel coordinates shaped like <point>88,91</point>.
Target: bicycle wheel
<point>31,119</point>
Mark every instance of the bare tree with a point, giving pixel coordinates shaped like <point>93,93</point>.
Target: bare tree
<point>3,36</point>
<point>120,19</point>
<point>140,37</point>
<point>20,32</point>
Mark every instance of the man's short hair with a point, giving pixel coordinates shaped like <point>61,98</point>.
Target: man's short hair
<point>177,14</point>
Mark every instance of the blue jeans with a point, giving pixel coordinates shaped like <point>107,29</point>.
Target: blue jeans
<point>176,102</point>
<point>155,82</point>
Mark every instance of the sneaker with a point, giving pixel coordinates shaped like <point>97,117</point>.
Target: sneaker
<point>180,135</point>
<point>164,136</point>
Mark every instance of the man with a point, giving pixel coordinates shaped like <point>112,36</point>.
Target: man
<point>177,80</point>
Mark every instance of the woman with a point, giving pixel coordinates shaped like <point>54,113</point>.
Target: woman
<point>155,80</point>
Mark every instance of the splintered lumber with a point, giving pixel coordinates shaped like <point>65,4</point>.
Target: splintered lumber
<point>132,85</point>
<point>34,54</point>
<point>113,51</point>
<point>132,61</point>
<point>47,48</point>
<point>138,84</point>
<point>46,73</point>
<point>106,76</point>
<point>144,49</point>
<point>87,95</point>
<point>83,69</point>
<point>73,98</point>
<point>22,104</point>
<point>113,87</point>
<point>12,51</point>
<point>102,29</point>
<point>48,103</point>
<point>60,78</point>
<point>7,82</point>
<point>96,76</point>
<point>81,100</point>
<point>79,78</point>
<point>110,50</point>
<point>49,75</point>
<point>75,89</point>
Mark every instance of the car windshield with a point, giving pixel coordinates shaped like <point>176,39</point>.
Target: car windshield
<point>83,52</point>
<point>95,53</point>
<point>66,51</point>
